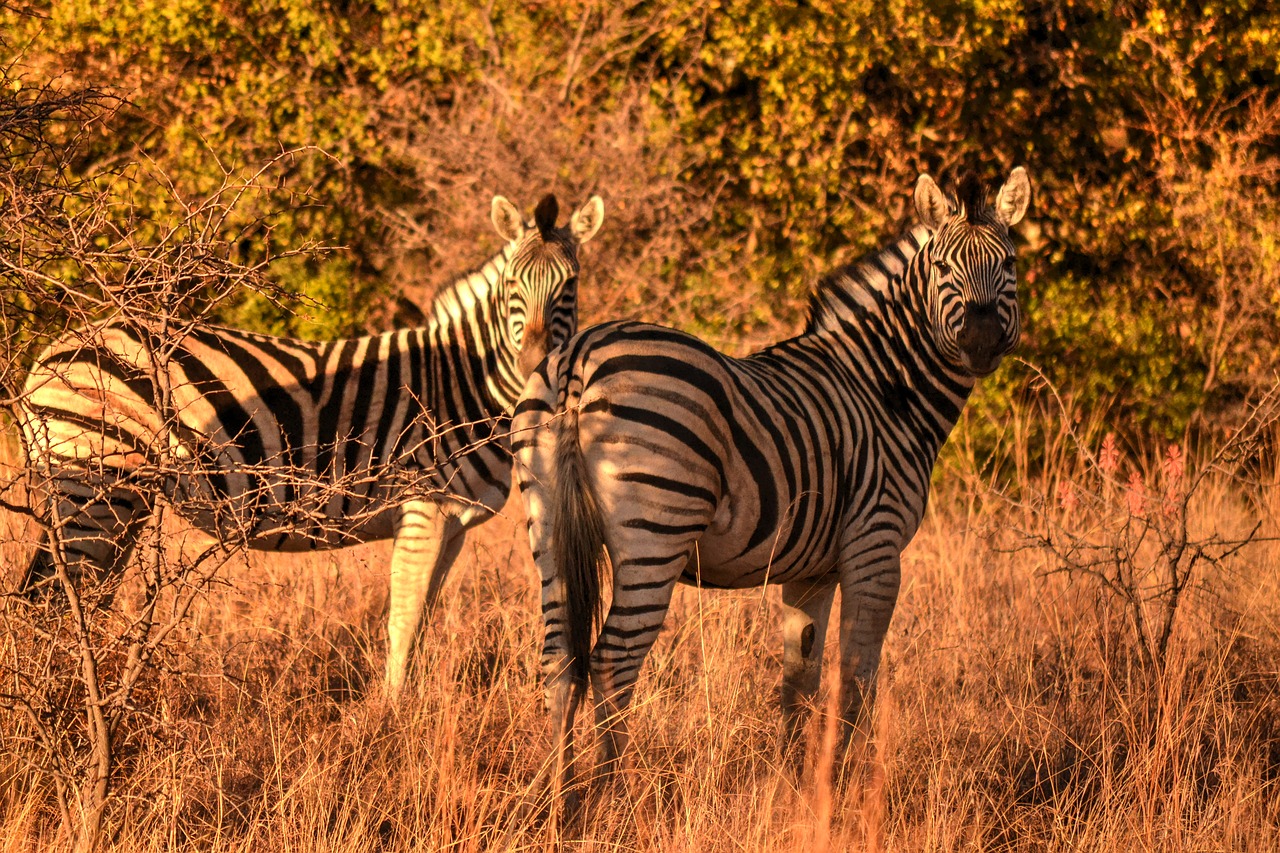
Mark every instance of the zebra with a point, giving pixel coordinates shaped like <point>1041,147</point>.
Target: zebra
<point>293,445</point>
<point>806,464</point>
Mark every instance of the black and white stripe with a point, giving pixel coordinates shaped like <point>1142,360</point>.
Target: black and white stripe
<point>806,464</point>
<point>292,445</point>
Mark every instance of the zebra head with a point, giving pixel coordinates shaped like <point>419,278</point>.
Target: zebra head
<point>540,282</point>
<point>971,283</point>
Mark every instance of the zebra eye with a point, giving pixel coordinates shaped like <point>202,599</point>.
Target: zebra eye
<point>942,267</point>
<point>1009,264</point>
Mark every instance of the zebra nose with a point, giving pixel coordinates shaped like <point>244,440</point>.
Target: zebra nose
<point>533,347</point>
<point>981,328</point>
<point>982,335</point>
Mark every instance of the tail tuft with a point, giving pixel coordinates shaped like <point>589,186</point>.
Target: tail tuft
<point>577,541</point>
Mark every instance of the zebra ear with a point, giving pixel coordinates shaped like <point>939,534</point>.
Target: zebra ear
<point>1014,197</point>
<point>932,205</point>
<point>507,220</point>
<point>586,222</point>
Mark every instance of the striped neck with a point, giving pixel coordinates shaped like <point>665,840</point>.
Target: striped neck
<point>470,316</point>
<point>878,306</point>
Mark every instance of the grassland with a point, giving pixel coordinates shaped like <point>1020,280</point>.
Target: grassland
<point>1014,713</point>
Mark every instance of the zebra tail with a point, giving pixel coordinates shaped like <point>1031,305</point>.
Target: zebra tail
<point>577,542</point>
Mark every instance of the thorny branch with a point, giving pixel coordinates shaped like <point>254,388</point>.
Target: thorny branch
<point>71,660</point>
<point>1125,522</point>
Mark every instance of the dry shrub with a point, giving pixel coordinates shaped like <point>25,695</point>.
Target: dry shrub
<point>461,155</point>
<point>78,699</point>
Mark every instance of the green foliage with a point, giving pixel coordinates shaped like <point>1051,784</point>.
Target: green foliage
<point>745,147</point>
<point>795,106</point>
<point>327,312</point>
<point>216,89</point>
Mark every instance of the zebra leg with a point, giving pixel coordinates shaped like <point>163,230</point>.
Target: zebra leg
<point>641,596</point>
<point>564,694</point>
<point>806,608</point>
<point>427,542</point>
<point>94,532</point>
<point>451,539</point>
<point>563,691</point>
<point>868,593</point>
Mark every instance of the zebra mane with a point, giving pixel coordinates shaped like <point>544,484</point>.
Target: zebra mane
<point>545,215</point>
<point>867,281</point>
<point>478,279</point>
<point>971,195</point>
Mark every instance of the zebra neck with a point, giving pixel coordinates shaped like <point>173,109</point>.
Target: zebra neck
<point>919,388</point>
<point>868,287</point>
<point>935,390</point>
<point>876,312</point>
<point>470,346</point>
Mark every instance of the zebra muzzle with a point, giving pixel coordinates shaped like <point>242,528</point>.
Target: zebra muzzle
<point>983,339</point>
<point>533,348</point>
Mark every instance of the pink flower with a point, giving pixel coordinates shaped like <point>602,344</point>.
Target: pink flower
<point>1067,498</point>
<point>1109,455</point>
<point>1174,467</point>
<point>1135,496</point>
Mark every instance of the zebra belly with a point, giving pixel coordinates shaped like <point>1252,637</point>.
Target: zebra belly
<point>330,536</point>
<point>718,562</point>
<point>263,518</point>
<point>329,518</point>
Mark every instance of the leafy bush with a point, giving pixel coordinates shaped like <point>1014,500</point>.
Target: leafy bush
<point>745,147</point>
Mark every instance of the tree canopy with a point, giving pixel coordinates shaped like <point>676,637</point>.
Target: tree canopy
<point>742,148</point>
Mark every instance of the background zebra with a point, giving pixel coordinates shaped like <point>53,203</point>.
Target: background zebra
<point>806,464</point>
<point>292,445</point>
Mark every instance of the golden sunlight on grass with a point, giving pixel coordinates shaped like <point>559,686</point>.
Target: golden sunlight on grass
<point>1013,714</point>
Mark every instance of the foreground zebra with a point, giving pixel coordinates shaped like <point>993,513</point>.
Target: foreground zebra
<point>806,464</point>
<point>291,445</point>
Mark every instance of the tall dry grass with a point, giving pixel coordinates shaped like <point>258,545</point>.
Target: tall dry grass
<point>1014,714</point>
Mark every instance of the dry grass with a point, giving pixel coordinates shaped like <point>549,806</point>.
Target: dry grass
<point>1013,716</point>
